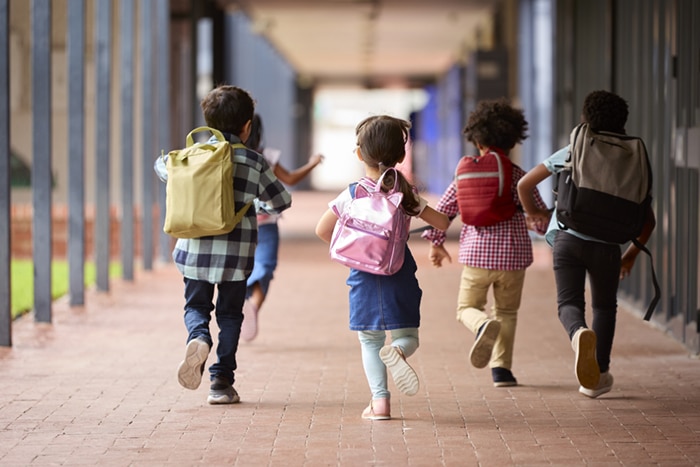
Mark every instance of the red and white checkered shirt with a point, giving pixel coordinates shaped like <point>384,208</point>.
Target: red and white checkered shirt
<point>505,246</point>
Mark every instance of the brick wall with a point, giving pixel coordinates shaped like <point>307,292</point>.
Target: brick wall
<point>21,232</point>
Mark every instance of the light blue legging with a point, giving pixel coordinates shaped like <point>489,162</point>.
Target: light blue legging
<point>375,370</point>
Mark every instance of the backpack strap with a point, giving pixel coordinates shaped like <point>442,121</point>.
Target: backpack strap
<point>657,289</point>
<point>239,215</point>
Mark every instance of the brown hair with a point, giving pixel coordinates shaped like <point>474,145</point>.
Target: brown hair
<point>228,108</point>
<point>382,141</point>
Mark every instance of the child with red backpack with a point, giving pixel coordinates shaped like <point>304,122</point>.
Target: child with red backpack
<point>494,244</point>
<point>384,302</point>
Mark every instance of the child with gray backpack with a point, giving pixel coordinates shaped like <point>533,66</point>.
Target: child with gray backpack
<point>579,251</point>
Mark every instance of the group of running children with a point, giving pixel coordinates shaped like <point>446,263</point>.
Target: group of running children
<point>494,256</point>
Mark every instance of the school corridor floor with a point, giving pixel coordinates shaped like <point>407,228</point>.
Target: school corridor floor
<point>98,386</point>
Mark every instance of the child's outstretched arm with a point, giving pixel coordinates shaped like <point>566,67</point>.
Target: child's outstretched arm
<point>435,218</point>
<point>292,177</point>
<point>325,226</point>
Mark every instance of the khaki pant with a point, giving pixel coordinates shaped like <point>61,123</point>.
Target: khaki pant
<point>471,303</point>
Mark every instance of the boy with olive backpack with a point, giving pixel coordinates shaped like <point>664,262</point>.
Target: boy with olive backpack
<point>603,201</point>
<point>223,260</point>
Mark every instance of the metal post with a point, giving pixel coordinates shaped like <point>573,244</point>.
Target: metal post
<point>5,246</point>
<point>41,166</point>
<point>164,118</point>
<point>145,36</point>
<point>103,19</point>
<point>76,151</point>
<point>127,137</point>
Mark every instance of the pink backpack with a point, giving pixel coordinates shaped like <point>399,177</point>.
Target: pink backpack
<point>371,234</point>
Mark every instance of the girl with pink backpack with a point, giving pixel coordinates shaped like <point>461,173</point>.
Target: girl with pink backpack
<point>384,302</point>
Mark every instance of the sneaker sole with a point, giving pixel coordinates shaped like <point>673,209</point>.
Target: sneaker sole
<point>586,366</point>
<point>404,376</point>
<point>505,384</point>
<point>219,400</point>
<point>480,353</point>
<point>189,373</point>
<point>593,393</point>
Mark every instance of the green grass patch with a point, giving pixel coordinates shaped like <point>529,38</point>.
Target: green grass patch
<point>22,277</point>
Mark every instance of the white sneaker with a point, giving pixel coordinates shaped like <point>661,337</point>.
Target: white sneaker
<point>586,365</point>
<point>189,373</point>
<point>404,376</point>
<point>604,385</point>
<point>480,353</point>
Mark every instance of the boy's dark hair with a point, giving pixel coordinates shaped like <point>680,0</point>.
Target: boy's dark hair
<point>605,111</point>
<point>255,140</point>
<point>496,124</point>
<point>382,141</point>
<point>227,109</point>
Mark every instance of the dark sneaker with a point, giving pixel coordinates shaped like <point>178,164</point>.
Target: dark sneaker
<point>604,385</point>
<point>189,373</point>
<point>586,365</point>
<point>222,392</point>
<point>480,353</point>
<point>502,377</point>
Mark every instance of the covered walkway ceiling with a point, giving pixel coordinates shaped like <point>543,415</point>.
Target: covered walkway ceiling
<point>371,42</point>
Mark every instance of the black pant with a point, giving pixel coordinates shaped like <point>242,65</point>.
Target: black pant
<point>573,258</point>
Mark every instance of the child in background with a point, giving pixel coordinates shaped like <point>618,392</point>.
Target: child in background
<point>384,303</point>
<point>224,261</point>
<point>267,250</point>
<point>493,256</point>
<point>576,255</point>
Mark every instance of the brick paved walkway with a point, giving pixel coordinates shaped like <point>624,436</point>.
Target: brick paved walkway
<point>98,386</point>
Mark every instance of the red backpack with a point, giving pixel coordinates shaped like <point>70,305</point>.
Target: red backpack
<point>484,192</point>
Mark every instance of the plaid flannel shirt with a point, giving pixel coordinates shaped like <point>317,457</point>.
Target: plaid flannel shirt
<point>229,257</point>
<point>505,246</point>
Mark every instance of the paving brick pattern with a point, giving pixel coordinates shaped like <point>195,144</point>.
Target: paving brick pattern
<point>99,387</point>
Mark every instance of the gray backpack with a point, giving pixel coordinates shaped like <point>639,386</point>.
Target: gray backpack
<point>604,189</point>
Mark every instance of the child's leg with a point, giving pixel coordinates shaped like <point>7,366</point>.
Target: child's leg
<point>404,343</point>
<point>259,280</point>
<point>507,292</point>
<point>198,308</point>
<point>406,339</point>
<point>375,370</point>
<point>229,316</point>
<point>471,301</point>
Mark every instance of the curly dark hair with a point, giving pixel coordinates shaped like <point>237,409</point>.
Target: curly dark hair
<point>382,141</point>
<point>496,124</point>
<point>228,108</point>
<point>605,111</point>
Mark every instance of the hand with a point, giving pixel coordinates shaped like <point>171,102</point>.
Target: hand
<point>437,254</point>
<point>316,159</point>
<point>538,221</point>
<point>626,265</point>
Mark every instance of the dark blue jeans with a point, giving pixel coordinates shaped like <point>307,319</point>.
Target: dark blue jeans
<point>573,259</point>
<point>199,297</point>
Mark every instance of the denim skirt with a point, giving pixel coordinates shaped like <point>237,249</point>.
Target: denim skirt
<point>382,303</point>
